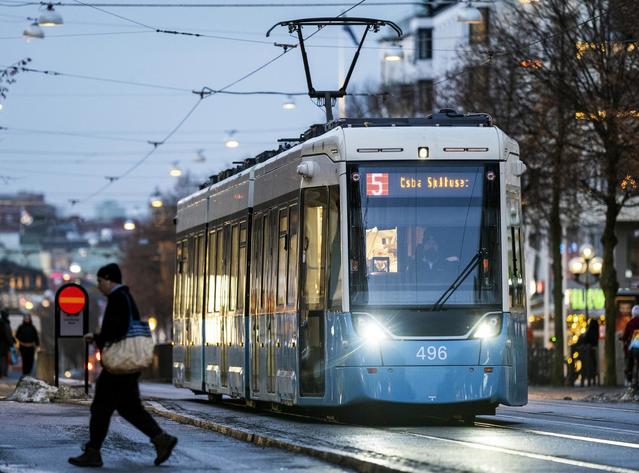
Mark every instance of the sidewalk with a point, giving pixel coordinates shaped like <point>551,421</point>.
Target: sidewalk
<point>570,393</point>
<point>7,386</point>
<point>535,393</point>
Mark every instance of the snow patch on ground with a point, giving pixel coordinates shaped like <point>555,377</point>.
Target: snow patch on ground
<point>628,395</point>
<point>30,389</point>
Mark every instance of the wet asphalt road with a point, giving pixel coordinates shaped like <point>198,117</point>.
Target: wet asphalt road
<point>545,436</point>
<point>38,438</point>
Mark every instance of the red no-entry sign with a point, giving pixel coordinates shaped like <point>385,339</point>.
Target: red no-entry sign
<point>72,321</point>
<point>72,299</point>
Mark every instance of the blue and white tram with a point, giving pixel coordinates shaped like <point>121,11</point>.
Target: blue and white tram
<point>376,261</point>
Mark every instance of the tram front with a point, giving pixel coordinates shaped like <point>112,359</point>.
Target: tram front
<point>427,247</point>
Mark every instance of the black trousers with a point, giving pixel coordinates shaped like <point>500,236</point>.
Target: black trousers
<point>118,392</point>
<point>26,353</point>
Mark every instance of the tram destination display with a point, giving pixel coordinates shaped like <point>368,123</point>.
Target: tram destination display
<point>414,184</point>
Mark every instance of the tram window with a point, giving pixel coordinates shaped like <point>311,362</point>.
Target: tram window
<point>241,278</point>
<point>199,271</point>
<point>210,297</point>
<point>235,244</point>
<point>335,273</point>
<point>515,262</point>
<point>292,255</point>
<point>219,271</point>
<point>256,264</point>
<point>189,278</point>
<point>179,276</point>
<point>266,262</point>
<point>313,248</point>
<point>282,254</point>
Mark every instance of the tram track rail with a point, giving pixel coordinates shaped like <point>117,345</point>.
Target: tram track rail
<point>569,418</point>
<point>365,459</point>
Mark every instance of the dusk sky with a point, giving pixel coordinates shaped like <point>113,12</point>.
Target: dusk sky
<point>63,135</point>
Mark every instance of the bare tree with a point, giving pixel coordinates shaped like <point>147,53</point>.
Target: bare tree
<point>149,258</point>
<point>606,96</point>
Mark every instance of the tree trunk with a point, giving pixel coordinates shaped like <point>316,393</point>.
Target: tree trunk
<point>610,285</point>
<point>557,277</point>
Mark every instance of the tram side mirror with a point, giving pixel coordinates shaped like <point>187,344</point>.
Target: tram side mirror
<point>518,167</point>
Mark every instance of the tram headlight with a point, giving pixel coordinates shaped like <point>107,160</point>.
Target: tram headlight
<point>489,327</point>
<point>369,329</point>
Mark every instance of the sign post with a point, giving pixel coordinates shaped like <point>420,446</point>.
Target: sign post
<point>72,321</point>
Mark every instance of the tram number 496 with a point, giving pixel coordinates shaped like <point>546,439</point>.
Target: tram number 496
<point>432,353</point>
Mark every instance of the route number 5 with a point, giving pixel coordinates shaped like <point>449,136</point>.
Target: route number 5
<point>377,183</point>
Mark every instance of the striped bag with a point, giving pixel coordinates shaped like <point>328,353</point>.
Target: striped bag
<point>132,353</point>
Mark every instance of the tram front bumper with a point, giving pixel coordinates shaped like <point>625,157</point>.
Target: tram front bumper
<point>422,384</point>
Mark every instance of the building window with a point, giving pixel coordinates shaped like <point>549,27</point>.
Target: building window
<point>424,46</point>
<point>425,95</point>
<point>478,33</point>
<point>632,270</point>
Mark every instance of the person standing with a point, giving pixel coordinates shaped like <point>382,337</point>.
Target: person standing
<point>118,391</point>
<point>629,332</point>
<point>6,342</point>
<point>27,337</point>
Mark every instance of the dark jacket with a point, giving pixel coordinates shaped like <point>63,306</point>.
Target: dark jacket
<point>591,337</point>
<point>631,326</point>
<point>27,335</point>
<point>6,339</point>
<point>115,323</point>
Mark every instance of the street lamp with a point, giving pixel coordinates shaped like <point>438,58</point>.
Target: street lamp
<point>470,15</point>
<point>289,103</point>
<point>586,264</point>
<point>50,17</point>
<point>231,141</point>
<point>33,31</point>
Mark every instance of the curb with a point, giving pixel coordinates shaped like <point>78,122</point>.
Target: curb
<point>330,456</point>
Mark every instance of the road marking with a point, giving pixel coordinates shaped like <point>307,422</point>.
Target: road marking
<point>565,436</point>
<point>536,456</point>
<point>572,424</point>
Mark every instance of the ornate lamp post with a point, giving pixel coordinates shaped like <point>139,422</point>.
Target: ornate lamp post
<point>586,264</point>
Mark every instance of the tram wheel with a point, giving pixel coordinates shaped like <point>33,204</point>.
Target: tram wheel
<point>468,419</point>
<point>215,397</point>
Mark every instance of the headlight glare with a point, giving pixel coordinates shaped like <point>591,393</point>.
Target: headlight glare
<point>489,327</point>
<point>369,329</point>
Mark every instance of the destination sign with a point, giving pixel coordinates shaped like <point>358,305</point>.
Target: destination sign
<point>398,184</point>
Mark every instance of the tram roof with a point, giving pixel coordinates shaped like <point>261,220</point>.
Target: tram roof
<point>357,140</point>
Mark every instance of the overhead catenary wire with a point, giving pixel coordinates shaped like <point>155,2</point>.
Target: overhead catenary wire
<point>180,89</point>
<point>201,98</point>
<point>222,4</point>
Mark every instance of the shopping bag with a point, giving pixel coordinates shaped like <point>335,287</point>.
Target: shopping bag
<point>131,354</point>
<point>13,356</point>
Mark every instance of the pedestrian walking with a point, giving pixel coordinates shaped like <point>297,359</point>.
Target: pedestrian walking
<point>27,337</point>
<point>6,342</point>
<point>589,344</point>
<point>631,331</point>
<point>119,392</point>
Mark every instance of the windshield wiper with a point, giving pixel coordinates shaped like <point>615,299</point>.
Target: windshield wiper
<point>482,253</point>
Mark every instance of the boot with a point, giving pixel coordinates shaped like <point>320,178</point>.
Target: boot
<point>164,444</point>
<point>91,458</point>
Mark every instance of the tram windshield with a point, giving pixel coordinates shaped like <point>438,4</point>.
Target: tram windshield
<point>415,228</point>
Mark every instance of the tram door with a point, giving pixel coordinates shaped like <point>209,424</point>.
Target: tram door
<point>312,349</point>
<point>222,262</point>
